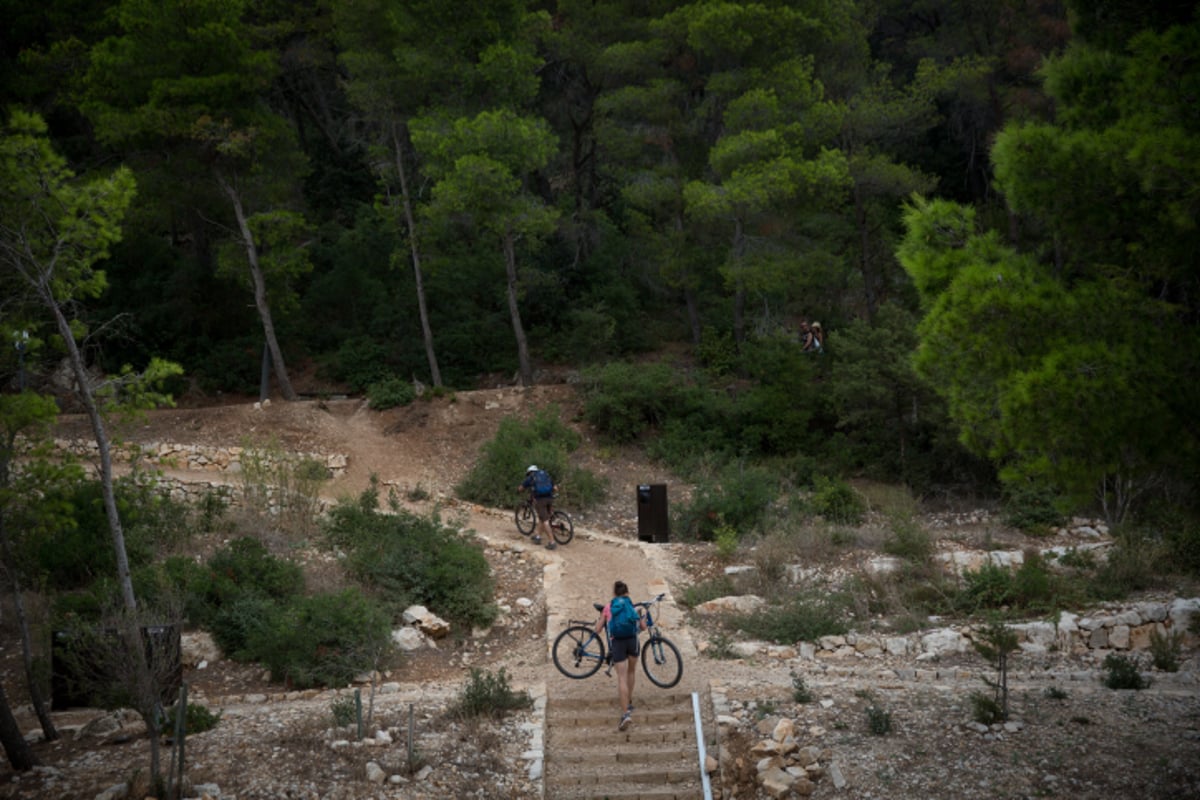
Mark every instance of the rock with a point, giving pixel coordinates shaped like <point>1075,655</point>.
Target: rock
<point>835,775</point>
<point>375,773</point>
<point>944,641</point>
<point>211,791</point>
<point>408,638</point>
<point>428,623</point>
<point>739,604</point>
<point>776,782</point>
<point>785,729</point>
<point>116,792</point>
<point>197,647</point>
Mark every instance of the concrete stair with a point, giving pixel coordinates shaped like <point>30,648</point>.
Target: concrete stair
<point>655,758</point>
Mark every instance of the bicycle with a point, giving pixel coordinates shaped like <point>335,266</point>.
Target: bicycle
<point>561,525</point>
<point>579,651</point>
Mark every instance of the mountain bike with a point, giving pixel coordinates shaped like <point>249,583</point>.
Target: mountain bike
<point>561,525</point>
<point>579,651</point>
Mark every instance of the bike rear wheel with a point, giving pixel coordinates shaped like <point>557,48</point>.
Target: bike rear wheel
<point>562,527</point>
<point>578,652</point>
<point>526,518</point>
<point>661,661</point>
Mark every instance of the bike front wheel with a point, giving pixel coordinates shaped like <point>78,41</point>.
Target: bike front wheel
<point>562,527</point>
<point>526,518</point>
<point>661,661</point>
<point>578,652</point>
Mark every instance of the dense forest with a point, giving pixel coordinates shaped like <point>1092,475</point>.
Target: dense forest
<point>989,205</point>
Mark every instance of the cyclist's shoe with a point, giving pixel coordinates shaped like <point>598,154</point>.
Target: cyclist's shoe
<point>537,539</point>
<point>630,709</point>
<point>551,546</point>
<point>626,718</point>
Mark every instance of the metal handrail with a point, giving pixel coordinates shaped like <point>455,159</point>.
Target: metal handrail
<point>700,745</point>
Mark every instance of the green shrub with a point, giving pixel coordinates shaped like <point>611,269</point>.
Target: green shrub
<point>720,646</point>
<point>726,538</point>
<point>1033,509</point>
<point>697,593</point>
<point>986,709</point>
<point>623,401</point>
<point>1166,650</point>
<point>543,440</point>
<point>836,501</point>
<point>879,720</point>
<point>738,497</point>
<point>908,540</point>
<point>800,691</point>
<point>488,694</point>
<point>1122,673</point>
<point>197,719</point>
<point>408,559</point>
<point>717,351</point>
<point>246,567</point>
<point>1135,563</point>
<point>360,362</point>
<point>807,617</point>
<point>321,640</point>
<point>344,710</point>
<point>389,393</point>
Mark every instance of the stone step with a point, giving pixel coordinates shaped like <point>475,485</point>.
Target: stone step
<point>655,758</point>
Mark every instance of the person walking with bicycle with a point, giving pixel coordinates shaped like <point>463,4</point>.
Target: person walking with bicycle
<point>539,482</point>
<point>624,624</point>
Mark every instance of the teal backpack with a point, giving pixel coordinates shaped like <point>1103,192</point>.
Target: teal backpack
<point>624,622</point>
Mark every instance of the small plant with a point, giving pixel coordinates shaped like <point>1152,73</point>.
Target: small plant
<point>836,501</point>
<point>879,720</point>
<point>726,539</point>
<point>1055,693</point>
<point>1122,673</point>
<point>985,709</point>
<point>389,393</point>
<point>800,691</point>
<point>996,643</point>
<point>1166,650</point>
<point>344,710</point>
<point>765,708</point>
<point>197,718</point>
<point>488,694</point>
<point>417,494</point>
<point>908,540</point>
<point>720,646</point>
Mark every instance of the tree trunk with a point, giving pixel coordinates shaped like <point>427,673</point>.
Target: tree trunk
<point>870,279</point>
<point>426,330</point>
<point>20,754</point>
<point>739,291</point>
<point>260,290</point>
<point>510,268</point>
<point>115,530</point>
<point>49,732</point>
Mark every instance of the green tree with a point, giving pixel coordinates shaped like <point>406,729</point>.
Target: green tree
<point>202,97</point>
<point>482,167</point>
<point>53,232</point>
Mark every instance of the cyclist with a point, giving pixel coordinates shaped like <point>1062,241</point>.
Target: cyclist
<point>624,624</point>
<point>542,485</point>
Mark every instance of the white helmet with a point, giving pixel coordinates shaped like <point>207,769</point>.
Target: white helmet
<point>532,468</point>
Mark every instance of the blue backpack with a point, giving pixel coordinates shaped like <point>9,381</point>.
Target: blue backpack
<point>624,622</point>
<point>543,484</point>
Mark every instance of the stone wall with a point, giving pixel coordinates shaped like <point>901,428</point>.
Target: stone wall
<point>1125,628</point>
<point>198,458</point>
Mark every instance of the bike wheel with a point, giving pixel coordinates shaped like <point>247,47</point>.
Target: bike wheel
<point>661,661</point>
<point>526,518</point>
<point>562,527</point>
<point>578,652</point>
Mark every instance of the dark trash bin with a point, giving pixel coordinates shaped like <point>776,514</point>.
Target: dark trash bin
<point>653,524</point>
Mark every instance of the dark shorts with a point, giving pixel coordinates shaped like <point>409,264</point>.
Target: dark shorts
<point>624,648</point>
<point>542,506</point>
